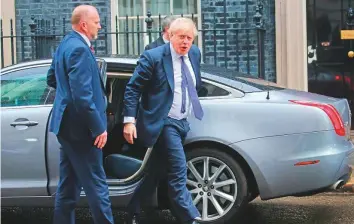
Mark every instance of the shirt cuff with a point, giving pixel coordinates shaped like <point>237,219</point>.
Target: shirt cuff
<point>129,120</point>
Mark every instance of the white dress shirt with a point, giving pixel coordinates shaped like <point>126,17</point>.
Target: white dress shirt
<point>175,111</point>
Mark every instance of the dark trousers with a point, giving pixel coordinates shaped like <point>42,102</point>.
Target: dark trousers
<point>168,158</point>
<point>81,166</point>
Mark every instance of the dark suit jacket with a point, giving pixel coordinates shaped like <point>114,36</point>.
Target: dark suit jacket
<point>79,106</point>
<point>157,43</point>
<point>153,81</point>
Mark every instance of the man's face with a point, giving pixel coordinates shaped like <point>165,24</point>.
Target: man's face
<point>166,34</point>
<point>182,40</point>
<point>92,25</point>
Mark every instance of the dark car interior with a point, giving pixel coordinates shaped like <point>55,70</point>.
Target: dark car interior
<point>120,159</point>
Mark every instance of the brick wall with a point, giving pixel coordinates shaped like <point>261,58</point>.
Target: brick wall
<point>46,11</point>
<point>240,45</point>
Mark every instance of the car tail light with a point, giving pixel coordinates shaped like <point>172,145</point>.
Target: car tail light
<point>332,113</point>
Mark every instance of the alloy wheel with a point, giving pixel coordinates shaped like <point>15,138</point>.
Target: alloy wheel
<point>213,186</point>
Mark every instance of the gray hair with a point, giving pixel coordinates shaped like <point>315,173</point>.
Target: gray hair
<point>166,22</point>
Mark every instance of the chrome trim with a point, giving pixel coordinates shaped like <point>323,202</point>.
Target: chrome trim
<point>29,106</point>
<point>131,61</point>
<point>24,67</point>
<point>232,92</point>
<point>136,174</point>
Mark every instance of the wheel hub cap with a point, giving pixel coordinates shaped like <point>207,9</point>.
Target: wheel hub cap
<point>213,187</point>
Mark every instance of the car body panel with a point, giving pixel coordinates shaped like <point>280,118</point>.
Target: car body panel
<point>273,159</point>
<point>23,164</point>
<point>258,122</point>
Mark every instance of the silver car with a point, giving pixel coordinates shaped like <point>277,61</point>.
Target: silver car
<point>256,139</point>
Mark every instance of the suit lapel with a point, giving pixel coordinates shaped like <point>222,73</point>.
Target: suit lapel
<point>168,66</point>
<point>195,65</point>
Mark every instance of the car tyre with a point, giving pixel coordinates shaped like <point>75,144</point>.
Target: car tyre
<point>231,166</point>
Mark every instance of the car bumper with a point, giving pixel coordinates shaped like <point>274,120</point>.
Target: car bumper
<point>273,160</point>
<point>344,173</point>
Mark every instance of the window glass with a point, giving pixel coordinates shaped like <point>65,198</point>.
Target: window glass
<point>210,90</point>
<point>185,6</point>
<point>131,43</point>
<point>130,7</point>
<point>24,87</point>
<point>132,32</point>
<point>157,7</point>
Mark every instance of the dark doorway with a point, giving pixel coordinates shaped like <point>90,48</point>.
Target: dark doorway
<point>330,53</point>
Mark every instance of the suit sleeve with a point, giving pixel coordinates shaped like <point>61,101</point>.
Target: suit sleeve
<point>51,80</point>
<point>80,81</point>
<point>136,85</point>
<point>147,47</point>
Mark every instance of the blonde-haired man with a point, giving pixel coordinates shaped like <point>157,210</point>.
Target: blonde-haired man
<point>166,79</point>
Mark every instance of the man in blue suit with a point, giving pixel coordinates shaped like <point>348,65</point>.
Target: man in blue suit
<point>79,121</point>
<point>166,82</point>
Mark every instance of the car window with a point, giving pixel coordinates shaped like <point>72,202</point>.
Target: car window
<point>24,87</point>
<point>210,90</point>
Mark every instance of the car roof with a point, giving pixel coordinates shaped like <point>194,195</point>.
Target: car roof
<point>119,63</point>
<point>128,62</point>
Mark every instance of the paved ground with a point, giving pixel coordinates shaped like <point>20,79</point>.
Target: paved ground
<point>321,209</point>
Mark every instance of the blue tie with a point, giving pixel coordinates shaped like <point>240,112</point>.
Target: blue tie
<point>187,82</point>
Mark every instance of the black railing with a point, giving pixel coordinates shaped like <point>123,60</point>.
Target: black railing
<point>237,45</point>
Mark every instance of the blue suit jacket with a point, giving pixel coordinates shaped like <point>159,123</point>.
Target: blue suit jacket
<point>79,105</point>
<point>153,81</point>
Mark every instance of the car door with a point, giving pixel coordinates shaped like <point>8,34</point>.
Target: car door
<point>330,40</point>
<point>25,109</point>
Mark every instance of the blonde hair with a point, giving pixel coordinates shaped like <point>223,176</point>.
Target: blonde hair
<point>182,23</point>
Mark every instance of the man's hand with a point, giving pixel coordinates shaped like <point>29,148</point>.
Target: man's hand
<point>101,140</point>
<point>129,132</point>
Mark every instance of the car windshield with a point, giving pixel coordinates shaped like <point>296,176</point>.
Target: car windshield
<point>241,81</point>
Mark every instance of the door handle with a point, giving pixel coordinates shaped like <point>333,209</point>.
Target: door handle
<point>24,123</point>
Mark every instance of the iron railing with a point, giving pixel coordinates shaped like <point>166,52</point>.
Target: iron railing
<point>238,46</point>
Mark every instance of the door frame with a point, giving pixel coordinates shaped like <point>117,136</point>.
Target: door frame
<point>291,50</point>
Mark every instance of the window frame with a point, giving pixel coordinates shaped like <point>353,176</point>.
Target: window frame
<point>115,12</point>
<point>44,104</point>
<point>233,93</point>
